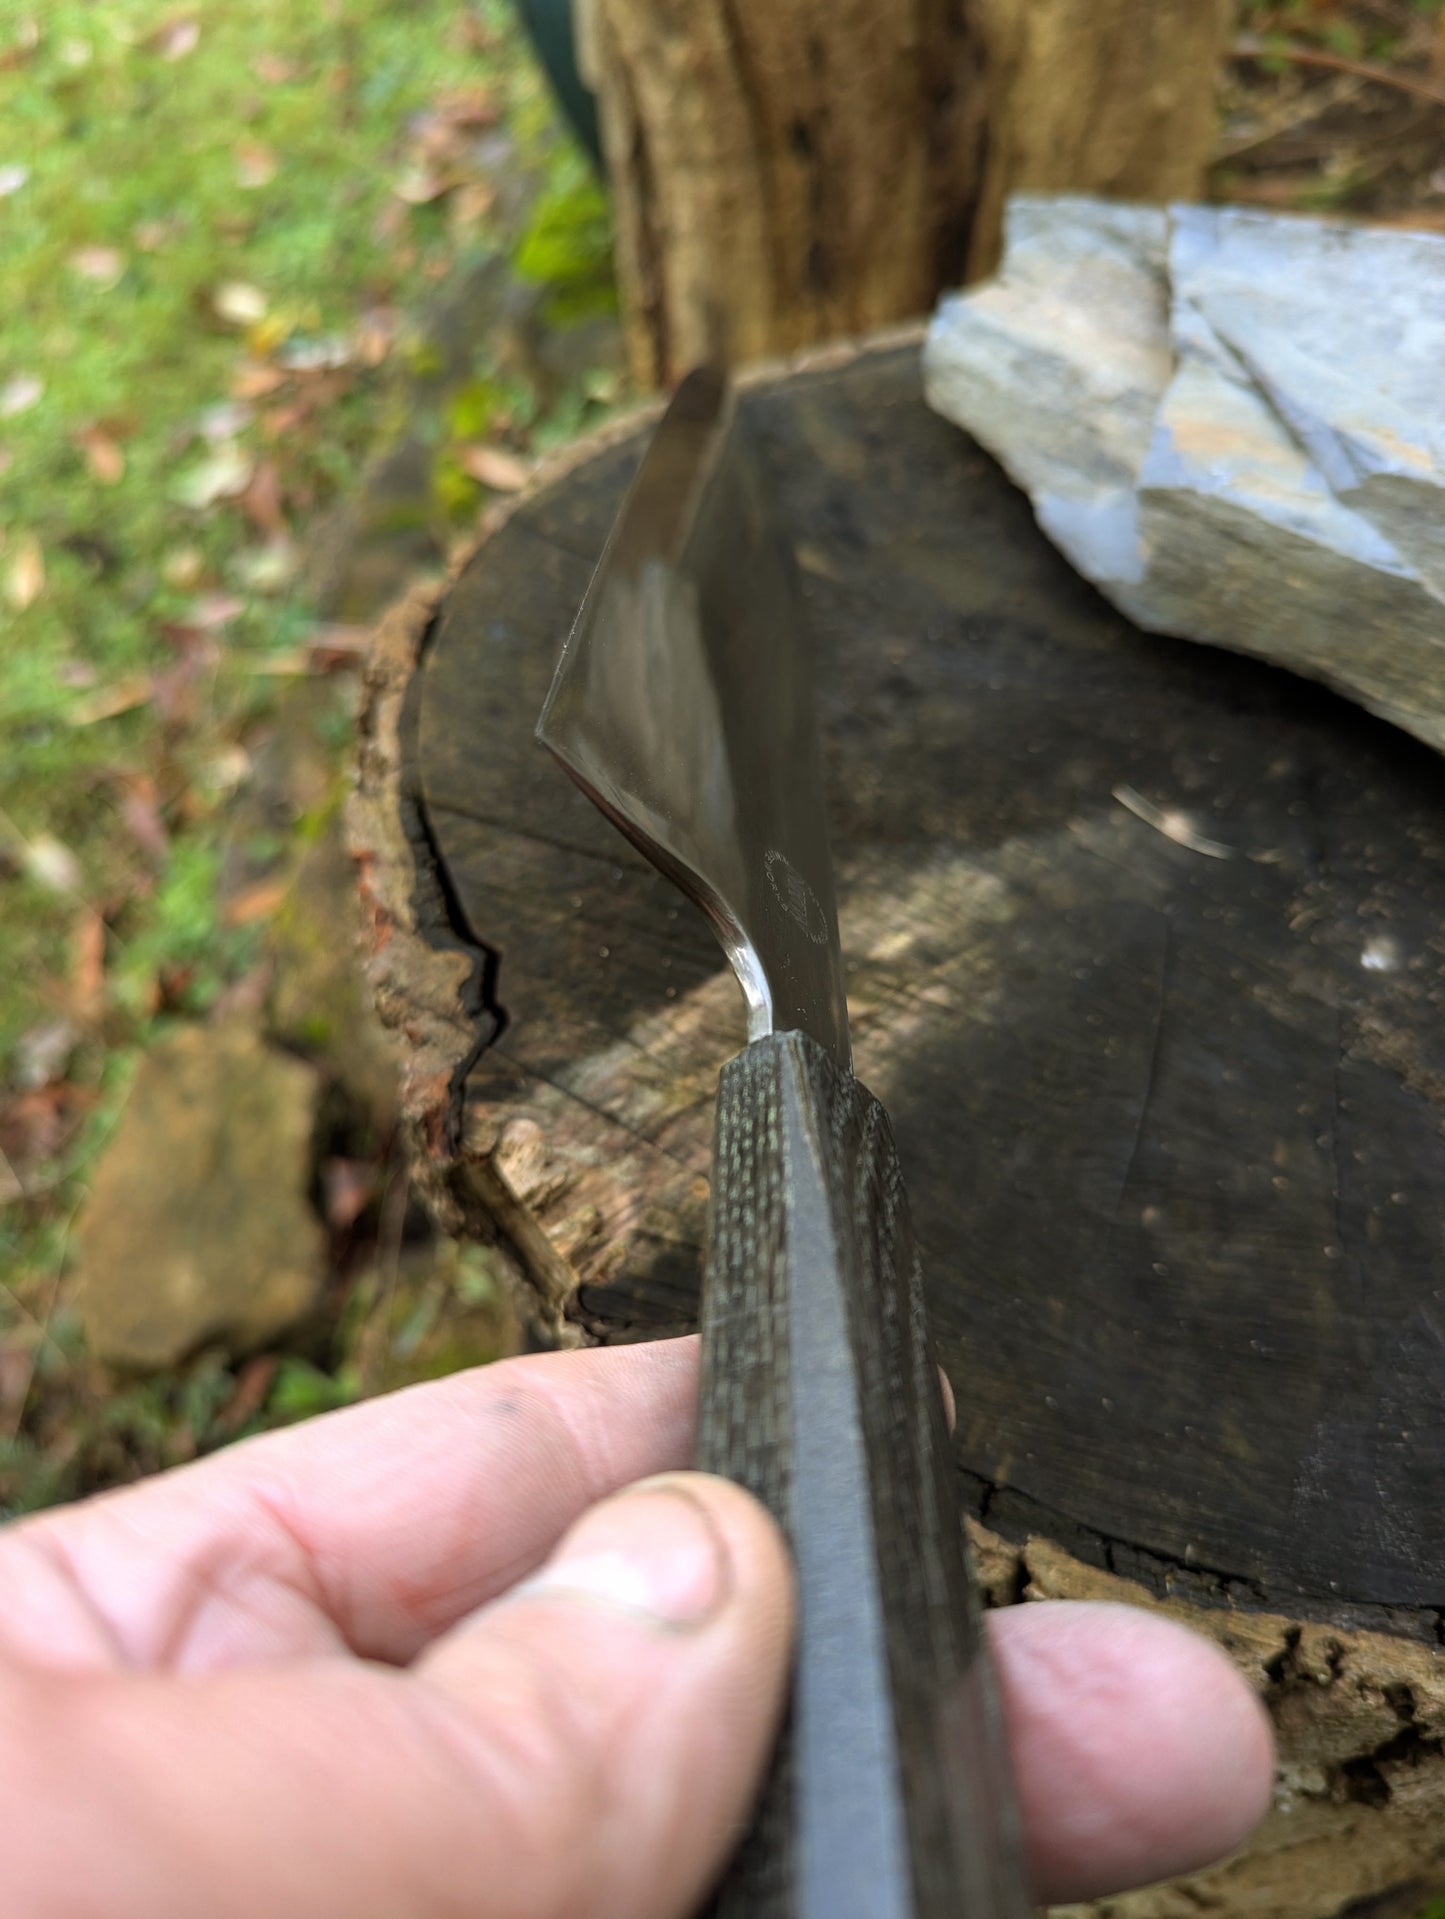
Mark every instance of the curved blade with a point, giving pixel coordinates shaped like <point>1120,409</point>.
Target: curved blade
<point>683,705</point>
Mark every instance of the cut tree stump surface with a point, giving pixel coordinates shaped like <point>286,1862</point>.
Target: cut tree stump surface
<point>1146,954</point>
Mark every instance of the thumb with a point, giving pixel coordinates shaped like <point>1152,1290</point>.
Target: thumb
<point>622,1703</point>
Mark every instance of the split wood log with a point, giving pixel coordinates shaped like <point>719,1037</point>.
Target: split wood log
<point>1146,962</point>
<point>782,175</point>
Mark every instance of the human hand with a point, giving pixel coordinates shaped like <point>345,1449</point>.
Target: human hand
<point>426,1657</point>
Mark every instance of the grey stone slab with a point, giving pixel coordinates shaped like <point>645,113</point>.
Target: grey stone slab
<point>1232,422</point>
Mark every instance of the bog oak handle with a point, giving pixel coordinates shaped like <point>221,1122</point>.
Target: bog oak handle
<point>889,1796</point>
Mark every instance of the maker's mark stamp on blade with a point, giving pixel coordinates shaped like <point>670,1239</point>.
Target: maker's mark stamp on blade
<point>796,897</point>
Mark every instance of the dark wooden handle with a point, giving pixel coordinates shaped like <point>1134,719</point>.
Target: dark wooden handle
<point>889,1796</point>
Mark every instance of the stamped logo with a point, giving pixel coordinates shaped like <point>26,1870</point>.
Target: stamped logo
<point>796,897</point>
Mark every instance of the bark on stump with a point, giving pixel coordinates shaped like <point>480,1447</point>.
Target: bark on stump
<point>782,175</point>
<point>1146,962</point>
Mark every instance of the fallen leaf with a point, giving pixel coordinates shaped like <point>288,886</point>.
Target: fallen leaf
<point>221,476</point>
<point>248,1396</point>
<point>77,673</point>
<point>269,568</point>
<point>214,610</point>
<point>255,903</point>
<point>141,812</point>
<point>19,393</point>
<point>274,71</point>
<point>176,38</point>
<point>418,186</point>
<point>12,178</point>
<point>104,265</point>
<point>25,580</point>
<point>104,704</point>
<point>316,356</point>
<point>102,455</point>
<point>182,567</point>
<point>174,693</point>
<point>51,864</point>
<point>42,1054</point>
<point>471,204</point>
<point>239,303</point>
<point>469,106</point>
<point>494,467</point>
<point>87,964</point>
<point>226,770</point>
<point>261,500</point>
<point>18,53</point>
<point>253,380</point>
<point>151,235</point>
<point>348,1187</point>
<point>225,420</point>
<point>255,164</point>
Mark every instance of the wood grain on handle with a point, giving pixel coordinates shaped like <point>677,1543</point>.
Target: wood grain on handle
<point>889,1796</point>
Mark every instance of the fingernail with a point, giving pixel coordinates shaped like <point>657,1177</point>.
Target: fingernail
<point>654,1550</point>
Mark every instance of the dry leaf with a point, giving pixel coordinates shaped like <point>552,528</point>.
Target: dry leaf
<point>43,1053</point>
<point>102,455</point>
<point>471,106</point>
<point>19,393</point>
<point>222,476</point>
<point>316,356</point>
<point>182,568</point>
<point>471,204</point>
<point>142,814</point>
<point>273,71</point>
<point>239,303</point>
<point>52,865</point>
<point>494,467</point>
<point>176,38</point>
<point>213,610</point>
<point>227,769</point>
<point>87,964</point>
<point>255,164</point>
<point>256,902</point>
<point>12,178</point>
<point>261,501</point>
<point>420,185</point>
<point>104,265</point>
<point>225,420</point>
<point>151,235</point>
<point>25,579</point>
<point>123,697</point>
<point>253,380</point>
<point>267,569</point>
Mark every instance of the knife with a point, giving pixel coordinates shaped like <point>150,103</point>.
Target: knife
<point>683,705</point>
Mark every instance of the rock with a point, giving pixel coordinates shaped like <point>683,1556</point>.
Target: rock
<point>1232,422</point>
<point>198,1226</point>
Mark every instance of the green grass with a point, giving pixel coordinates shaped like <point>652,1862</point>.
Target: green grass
<point>155,158</point>
<point>135,164</point>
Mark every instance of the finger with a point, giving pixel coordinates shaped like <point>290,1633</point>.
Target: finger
<point>587,1747</point>
<point>1140,1752</point>
<point>374,1528</point>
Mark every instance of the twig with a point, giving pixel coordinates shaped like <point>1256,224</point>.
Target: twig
<point>1319,102</point>
<point>1249,46</point>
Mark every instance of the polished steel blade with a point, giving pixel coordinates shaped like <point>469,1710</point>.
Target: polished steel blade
<point>683,705</point>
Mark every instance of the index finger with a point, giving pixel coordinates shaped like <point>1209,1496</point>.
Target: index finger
<point>373,1529</point>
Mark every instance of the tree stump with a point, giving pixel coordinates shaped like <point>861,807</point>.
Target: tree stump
<point>1145,948</point>
<point>785,174</point>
